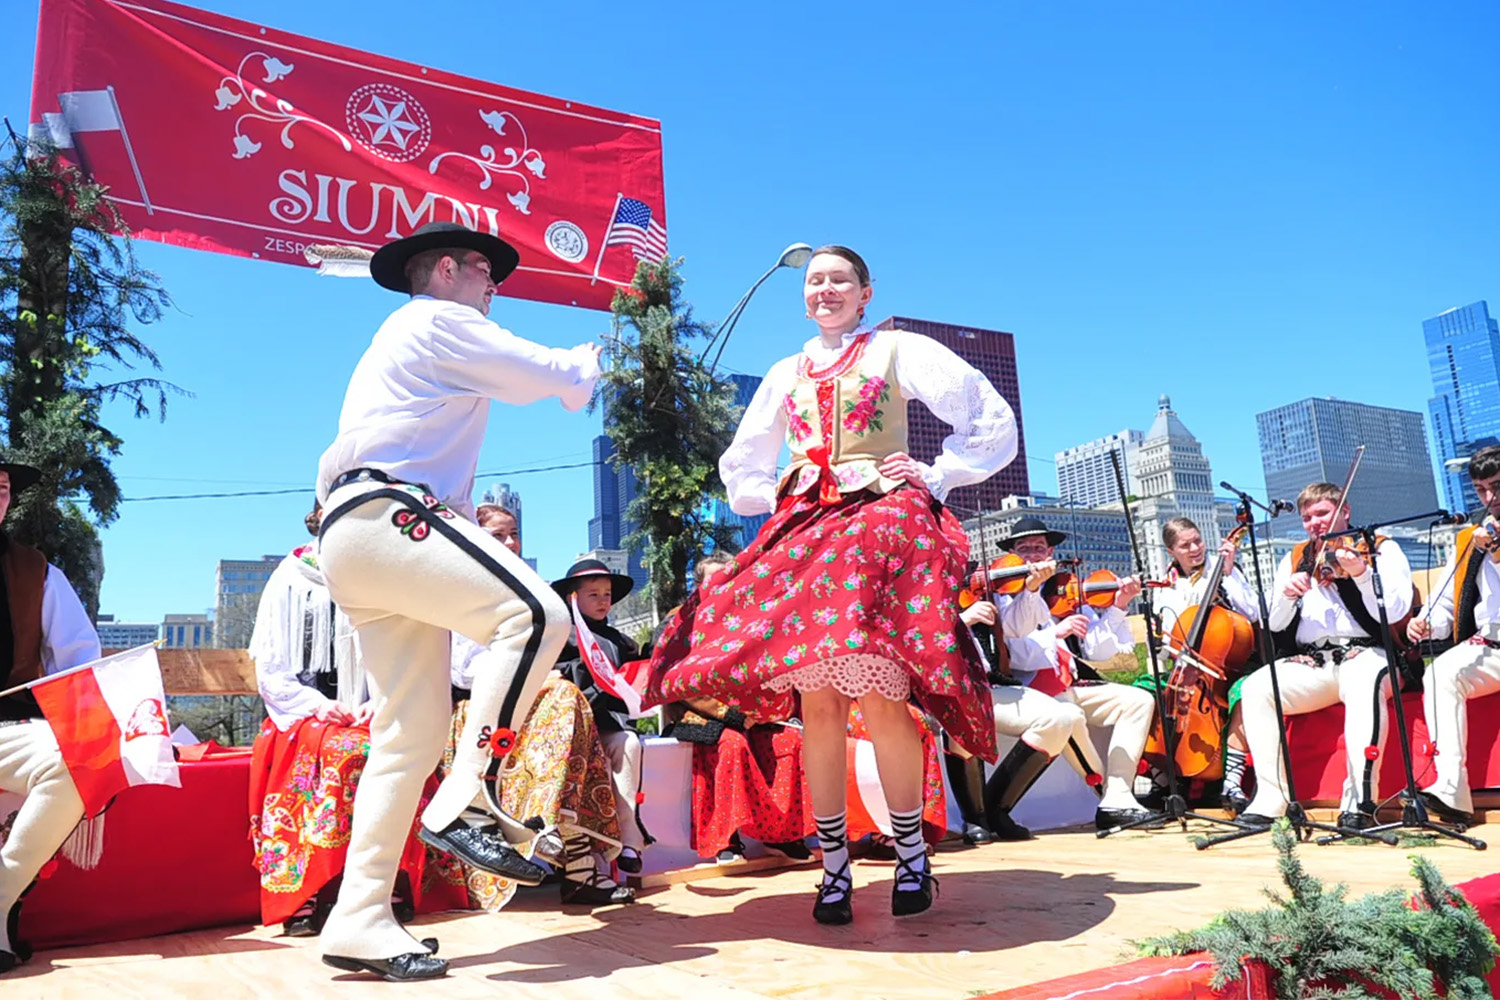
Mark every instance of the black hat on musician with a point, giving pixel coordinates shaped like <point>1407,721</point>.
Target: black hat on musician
<point>388,266</point>
<point>1030,527</point>
<point>587,569</point>
<point>22,477</point>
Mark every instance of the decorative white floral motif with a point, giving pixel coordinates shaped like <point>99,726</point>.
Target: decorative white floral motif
<point>264,108</point>
<point>491,165</point>
<point>388,122</point>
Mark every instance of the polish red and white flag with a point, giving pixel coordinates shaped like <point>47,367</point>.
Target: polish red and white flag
<point>110,719</point>
<point>606,675</point>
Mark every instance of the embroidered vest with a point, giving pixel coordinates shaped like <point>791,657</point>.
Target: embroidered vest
<point>844,420</point>
<point>25,572</point>
<point>1466,586</point>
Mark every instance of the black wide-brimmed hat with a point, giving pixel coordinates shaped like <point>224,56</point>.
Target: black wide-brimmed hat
<point>1030,527</point>
<point>587,569</point>
<point>21,476</point>
<point>388,266</point>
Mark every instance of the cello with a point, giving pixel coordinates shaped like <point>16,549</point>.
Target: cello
<point>1209,645</point>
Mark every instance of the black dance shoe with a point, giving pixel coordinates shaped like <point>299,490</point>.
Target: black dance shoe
<point>976,835</point>
<point>1255,819</point>
<point>596,889</point>
<point>1003,828</point>
<point>401,969</point>
<point>629,861</point>
<point>484,851</point>
<point>8,961</point>
<point>22,950</point>
<point>842,910</point>
<point>1233,801</point>
<point>1356,820</point>
<point>1108,819</point>
<point>1445,812</point>
<point>918,898</point>
<point>795,849</point>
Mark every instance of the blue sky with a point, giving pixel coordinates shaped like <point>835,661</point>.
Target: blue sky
<point>1232,204</point>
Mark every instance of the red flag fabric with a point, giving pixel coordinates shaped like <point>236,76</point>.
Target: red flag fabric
<point>110,720</point>
<point>221,135</point>
<point>605,674</point>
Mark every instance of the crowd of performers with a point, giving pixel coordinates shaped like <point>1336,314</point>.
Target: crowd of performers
<point>435,737</point>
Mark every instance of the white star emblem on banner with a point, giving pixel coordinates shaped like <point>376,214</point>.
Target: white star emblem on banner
<point>390,124</point>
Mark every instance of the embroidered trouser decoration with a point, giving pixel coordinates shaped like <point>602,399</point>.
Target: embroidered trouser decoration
<point>408,572</point>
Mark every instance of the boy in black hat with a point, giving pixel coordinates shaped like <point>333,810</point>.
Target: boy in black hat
<point>596,590</point>
<point>43,630</point>
<point>406,562</point>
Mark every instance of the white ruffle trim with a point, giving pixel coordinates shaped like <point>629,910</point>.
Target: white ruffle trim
<point>852,676</point>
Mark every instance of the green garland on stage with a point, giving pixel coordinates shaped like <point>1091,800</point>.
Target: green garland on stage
<point>1320,945</point>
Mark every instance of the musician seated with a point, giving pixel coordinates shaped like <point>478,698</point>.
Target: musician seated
<point>1325,618</point>
<point>1044,655</point>
<point>1467,608</point>
<point>1187,579</point>
<point>1041,725</point>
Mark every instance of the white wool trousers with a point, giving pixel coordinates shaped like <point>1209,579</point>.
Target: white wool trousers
<point>1040,721</point>
<point>1360,682</point>
<point>31,765</point>
<point>626,759</point>
<point>1468,670</point>
<point>1126,712</point>
<point>407,572</point>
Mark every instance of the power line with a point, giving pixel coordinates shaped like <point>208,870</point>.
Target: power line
<point>309,489</point>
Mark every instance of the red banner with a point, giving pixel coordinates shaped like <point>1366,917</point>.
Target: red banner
<point>221,135</point>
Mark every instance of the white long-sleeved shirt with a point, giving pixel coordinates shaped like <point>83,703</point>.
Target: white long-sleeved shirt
<point>1323,613</point>
<point>984,427</point>
<point>68,637</point>
<point>1486,609</point>
<point>1035,648</point>
<point>419,399</point>
<point>1172,601</point>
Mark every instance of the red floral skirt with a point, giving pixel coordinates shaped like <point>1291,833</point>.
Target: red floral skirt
<point>870,577</point>
<point>751,783</point>
<point>302,786</point>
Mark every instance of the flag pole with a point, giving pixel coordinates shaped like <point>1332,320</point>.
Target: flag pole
<point>614,213</point>
<point>78,669</point>
<point>145,198</point>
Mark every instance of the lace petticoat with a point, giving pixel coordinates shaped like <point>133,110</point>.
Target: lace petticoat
<point>852,676</point>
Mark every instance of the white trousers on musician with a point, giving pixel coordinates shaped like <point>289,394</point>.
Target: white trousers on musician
<point>31,765</point>
<point>407,575</point>
<point>1040,721</point>
<point>626,759</point>
<point>1468,670</point>
<point>1126,712</point>
<point>1307,688</point>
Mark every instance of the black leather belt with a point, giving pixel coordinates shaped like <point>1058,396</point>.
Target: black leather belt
<point>372,475</point>
<point>1337,650</point>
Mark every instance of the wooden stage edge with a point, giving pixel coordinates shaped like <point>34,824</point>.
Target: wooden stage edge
<point>1008,915</point>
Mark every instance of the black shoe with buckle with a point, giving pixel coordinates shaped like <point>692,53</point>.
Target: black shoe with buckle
<point>840,911</point>
<point>1445,812</point>
<point>401,969</point>
<point>484,851</point>
<point>914,898</point>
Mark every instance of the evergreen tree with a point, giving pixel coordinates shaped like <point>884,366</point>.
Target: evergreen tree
<point>1321,946</point>
<point>68,292</point>
<point>670,419</point>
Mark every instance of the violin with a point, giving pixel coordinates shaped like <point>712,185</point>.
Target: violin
<point>1327,567</point>
<point>1006,575</point>
<point>1065,594</point>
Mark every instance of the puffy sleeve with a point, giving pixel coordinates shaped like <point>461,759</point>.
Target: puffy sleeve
<point>472,353</point>
<point>748,466</point>
<point>1241,597</point>
<point>1108,635</point>
<point>984,438</point>
<point>68,637</point>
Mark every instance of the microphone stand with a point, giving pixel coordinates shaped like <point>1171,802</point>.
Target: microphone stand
<point>1174,807</point>
<point>1302,826</point>
<point>1413,811</point>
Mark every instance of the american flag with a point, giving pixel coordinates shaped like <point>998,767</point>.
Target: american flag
<point>633,224</point>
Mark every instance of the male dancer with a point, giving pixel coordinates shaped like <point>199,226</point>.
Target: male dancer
<point>1469,610</point>
<point>406,564</point>
<point>1331,627</point>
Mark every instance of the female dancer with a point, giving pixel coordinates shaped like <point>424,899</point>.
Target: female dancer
<point>850,590</point>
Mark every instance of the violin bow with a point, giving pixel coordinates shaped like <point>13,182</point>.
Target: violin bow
<point>1343,504</point>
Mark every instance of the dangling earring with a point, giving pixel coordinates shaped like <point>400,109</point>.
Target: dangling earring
<point>809,314</point>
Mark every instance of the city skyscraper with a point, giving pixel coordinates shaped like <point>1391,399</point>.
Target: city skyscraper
<point>1173,478</point>
<point>1313,440</point>
<point>237,590</point>
<point>1086,475</point>
<point>1463,357</point>
<point>749,527</point>
<point>614,489</point>
<point>502,496</point>
<point>993,352</point>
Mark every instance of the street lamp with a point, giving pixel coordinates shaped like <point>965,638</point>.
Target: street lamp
<point>793,256</point>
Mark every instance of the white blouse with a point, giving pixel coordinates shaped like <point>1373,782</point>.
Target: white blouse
<point>984,428</point>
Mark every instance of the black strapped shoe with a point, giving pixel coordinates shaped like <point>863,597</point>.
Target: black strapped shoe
<point>401,969</point>
<point>1359,820</point>
<point>905,902</point>
<point>1108,819</point>
<point>482,850</point>
<point>1445,812</point>
<point>595,889</point>
<point>629,861</point>
<point>842,911</point>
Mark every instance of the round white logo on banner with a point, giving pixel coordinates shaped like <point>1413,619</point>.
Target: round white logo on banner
<point>566,241</point>
<point>388,122</point>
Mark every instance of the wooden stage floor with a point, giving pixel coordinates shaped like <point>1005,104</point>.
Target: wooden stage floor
<point>1008,915</point>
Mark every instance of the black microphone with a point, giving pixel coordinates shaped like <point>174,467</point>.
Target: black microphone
<point>1282,507</point>
<point>1460,517</point>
